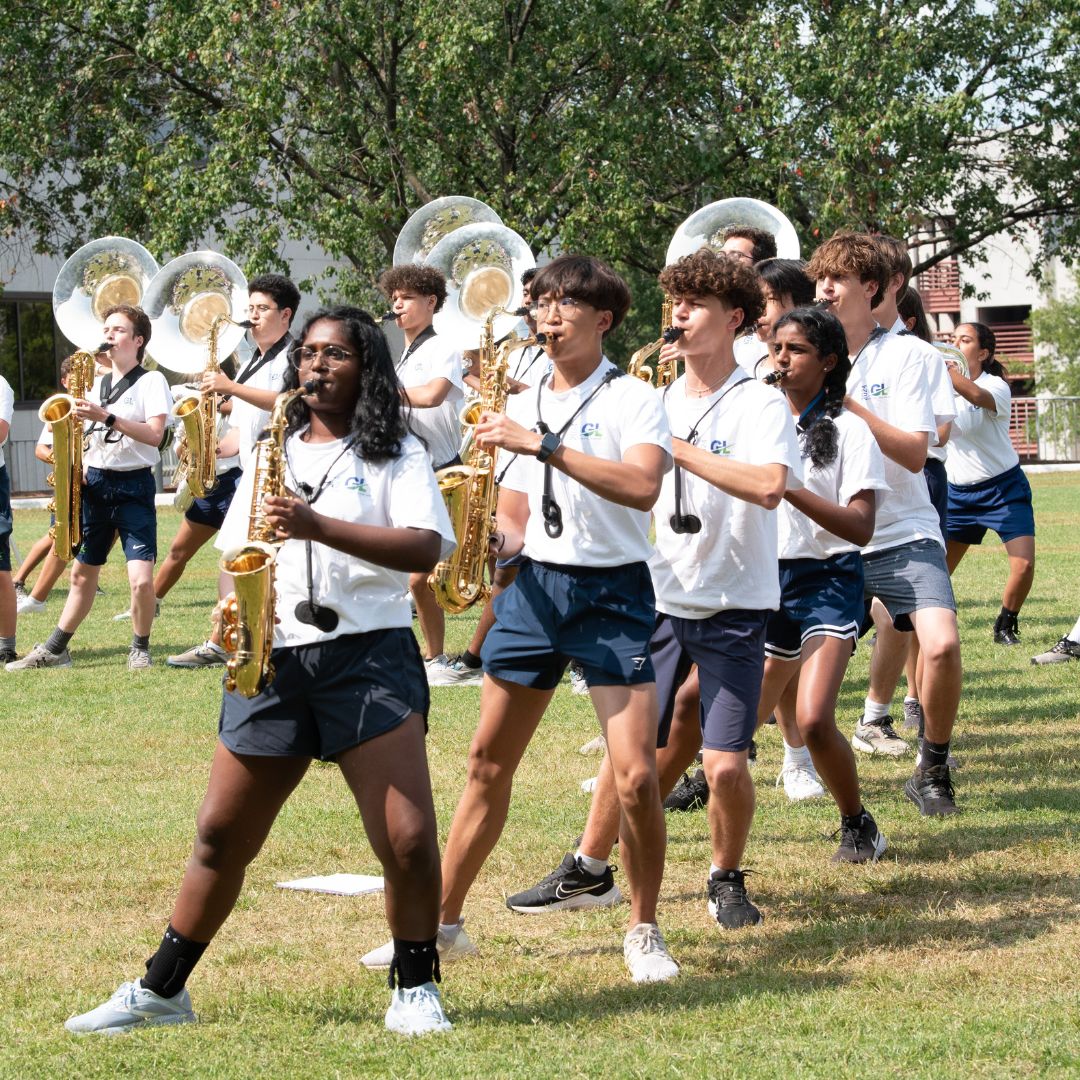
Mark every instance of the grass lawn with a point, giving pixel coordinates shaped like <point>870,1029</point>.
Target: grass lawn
<point>955,956</point>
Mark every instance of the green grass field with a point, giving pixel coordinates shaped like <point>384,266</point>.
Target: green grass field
<point>955,956</point>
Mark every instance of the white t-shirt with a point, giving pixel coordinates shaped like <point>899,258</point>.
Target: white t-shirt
<point>859,466</point>
<point>941,388</point>
<point>149,396</point>
<point>401,493</point>
<point>889,379</point>
<point>528,365</point>
<point>980,447</point>
<point>624,413</point>
<point>731,562</point>
<point>7,409</point>
<point>247,418</point>
<point>750,351</point>
<point>438,427</point>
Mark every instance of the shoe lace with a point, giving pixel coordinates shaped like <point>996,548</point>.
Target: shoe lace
<point>847,834</point>
<point>939,782</point>
<point>647,938</point>
<point>884,725</point>
<point>423,1001</point>
<point>560,871</point>
<point>797,773</point>
<point>728,893</point>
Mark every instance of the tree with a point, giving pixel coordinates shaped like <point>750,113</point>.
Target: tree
<point>1056,332</point>
<point>598,126</point>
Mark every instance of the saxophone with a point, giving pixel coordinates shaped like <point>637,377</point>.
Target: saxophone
<point>470,490</point>
<point>666,371</point>
<point>247,614</point>
<point>67,454</point>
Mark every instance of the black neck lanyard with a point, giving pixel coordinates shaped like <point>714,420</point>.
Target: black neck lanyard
<point>424,335</point>
<point>690,523</point>
<point>110,395</point>
<point>877,332</point>
<point>553,523</point>
<point>538,351</point>
<point>254,365</point>
<point>307,611</point>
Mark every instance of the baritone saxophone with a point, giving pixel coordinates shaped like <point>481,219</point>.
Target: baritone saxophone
<point>247,614</point>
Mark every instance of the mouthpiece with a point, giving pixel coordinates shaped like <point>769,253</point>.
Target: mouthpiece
<point>311,386</point>
<point>821,304</point>
<point>673,333</point>
<point>520,312</point>
<point>386,316</point>
<point>247,324</point>
<point>103,347</point>
<point>774,377</point>
<point>541,339</point>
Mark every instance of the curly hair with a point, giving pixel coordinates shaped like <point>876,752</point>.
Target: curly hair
<point>378,422</point>
<point>851,253</point>
<point>422,280</point>
<point>584,278</point>
<point>988,341</point>
<point>823,331</point>
<point>727,277</point>
<point>140,324</point>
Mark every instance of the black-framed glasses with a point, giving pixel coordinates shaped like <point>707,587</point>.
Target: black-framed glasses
<point>332,356</point>
<point>261,309</point>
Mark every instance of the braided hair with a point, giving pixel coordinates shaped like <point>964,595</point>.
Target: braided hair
<point>822,329</point>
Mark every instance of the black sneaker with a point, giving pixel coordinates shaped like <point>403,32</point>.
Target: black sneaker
<point>860,840</point>
<point>751,754</point>
<point>931,791</point>
<point>20,590</point>
<point>690,793</point>
<point>1006,630</point>
<point>567,888</point>
<point>8,656</point>
<point>728,904</point>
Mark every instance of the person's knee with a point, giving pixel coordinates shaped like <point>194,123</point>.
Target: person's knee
<point>141,586</point>
<point>817,726</point>
<point>726,771</point>
<point>220,842</point>
<point>82,576</point>
<point>941,651</point>
<point>637,786</point>
<point>414,849</point>
<point>487,771</point>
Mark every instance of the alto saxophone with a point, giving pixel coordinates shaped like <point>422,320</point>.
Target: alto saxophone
<point>666,371</point>
<point>67,455</point>
<point>469,489</point>
<point>247,614</point>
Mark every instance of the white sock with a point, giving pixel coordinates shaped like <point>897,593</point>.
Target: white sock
<point>873,710</point>
<point>1074,634</point>
<point>909,700</point>
<point>796,755</point>
<point>590,865</point>
<point>215,647</point>
<point>451,929</point>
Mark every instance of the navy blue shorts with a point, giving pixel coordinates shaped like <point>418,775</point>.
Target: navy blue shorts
<point>729,650</point>
<point>1002,503</point>
<point>211,510</point>
<point>5,520</point>
<point>329,697</point>
<point>818,598</point>
<point>602,617</point>
<point>937,483</point>
<point>118,502</point>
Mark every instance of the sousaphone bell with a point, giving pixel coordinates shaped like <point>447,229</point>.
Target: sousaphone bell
<point>705,227</point>
<point>436,220</point>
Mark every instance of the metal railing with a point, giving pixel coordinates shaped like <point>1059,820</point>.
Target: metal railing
<point>1046,429</point>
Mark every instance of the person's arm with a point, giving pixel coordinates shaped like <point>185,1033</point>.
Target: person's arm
<point>229,444</point>
<point>944,431</point>
<point>148,431</point>
<point>44,453</point>
<point>967,389</point>
<point>408,550</point>
<point>762,485</point>
<point>906,448</point>
<point>854,522</point>
<point>218,382</point>
<point>5,431</point>
<point>511,517</point>
<point>428,395</point>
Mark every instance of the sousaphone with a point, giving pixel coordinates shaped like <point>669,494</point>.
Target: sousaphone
<point>483,264</point>
<point>436,220</point>
<point>185,298</point>
<point>705,227</point>
<point>101,274</point>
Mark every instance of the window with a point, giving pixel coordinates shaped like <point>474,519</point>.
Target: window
<point>31,347</point>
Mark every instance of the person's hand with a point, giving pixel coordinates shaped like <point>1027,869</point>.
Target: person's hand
<point>216,382</point>
<point>290,517</point>
<point>498,430</point>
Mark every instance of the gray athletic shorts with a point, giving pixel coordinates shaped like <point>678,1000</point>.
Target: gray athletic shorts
<point>907,578</point>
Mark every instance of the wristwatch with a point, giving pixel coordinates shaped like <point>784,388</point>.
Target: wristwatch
<point>110,421</point>
<point>548,445</point>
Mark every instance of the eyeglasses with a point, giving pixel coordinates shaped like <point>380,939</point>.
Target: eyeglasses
<point>566,305</point>
<point>332,356</point>
<point>260,309</point>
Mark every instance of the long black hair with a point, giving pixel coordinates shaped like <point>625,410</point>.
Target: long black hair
<point>378,421</point>
<point>988,342</point>
<point>822,329</point>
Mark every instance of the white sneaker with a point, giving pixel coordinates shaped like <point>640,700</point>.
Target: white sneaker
<point>646,955</point>
<point>27,604</point>
<point>138,659</point>
<point>132,1006</point>
<point>39,657</point>
<point>201,656</point>
<point>125,615</point>
<point>578,685</point>
<point>454,673</point>
<point>878,737</point>
<point>800,782</point>
<point>593,746</point>
<point>417,1011</point>
<point>452,945</point>
<point>589,786</point>
<point>435,668</point>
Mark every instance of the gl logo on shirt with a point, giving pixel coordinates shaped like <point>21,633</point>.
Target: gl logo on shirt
<point>875,390</point>
<point>590,430</point>
<point>721,447</point>
<point>357,484</point>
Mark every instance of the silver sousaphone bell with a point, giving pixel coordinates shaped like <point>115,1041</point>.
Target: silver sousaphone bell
<point>185,298</point>
<point>705,227</point>
<point>483,264</point>
<point>101,274</point>
<point>436,220</point>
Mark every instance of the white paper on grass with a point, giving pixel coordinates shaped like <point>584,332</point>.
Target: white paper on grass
<point>337,884</point>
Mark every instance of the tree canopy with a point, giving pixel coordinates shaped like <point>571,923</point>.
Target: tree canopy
<point>597,125</point>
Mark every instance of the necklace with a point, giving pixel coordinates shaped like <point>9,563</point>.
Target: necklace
<point>708,389</point>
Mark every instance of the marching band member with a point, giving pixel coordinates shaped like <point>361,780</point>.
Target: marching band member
<point>429,371</point>
<point>715,575</point>
<point>349,684</point>
<point>7,588</point>
<point>127,422</point>
<point>587,451</point>
<point>809,641</point>
<point>904,563</point>
<point>987,487</point>
<point>273,301</point>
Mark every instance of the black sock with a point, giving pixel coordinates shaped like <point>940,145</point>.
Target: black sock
<point>934,754</point>
<point>414,963</point>
<point>853,821</point>
<point>58,641</point>
<point>470,660</point>
<point>1006,619</point>
<point>168,969</point>
<point>140,641</point>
